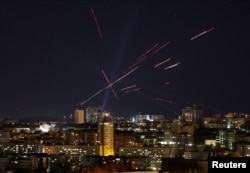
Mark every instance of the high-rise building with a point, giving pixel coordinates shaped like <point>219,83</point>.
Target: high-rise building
<point>79,116</point>
<point>192,114</point>
<point>106,135</point>
<point>93,114</point>
<point>105,129</point>
<point>107,132</point>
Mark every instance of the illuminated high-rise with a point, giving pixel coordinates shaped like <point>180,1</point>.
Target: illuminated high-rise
<point>79,116</point>
<point>192,114</point>
<point>106,135</point>
<point>105,129</point>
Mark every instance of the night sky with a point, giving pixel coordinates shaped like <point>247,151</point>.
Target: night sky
<point>53,57</point>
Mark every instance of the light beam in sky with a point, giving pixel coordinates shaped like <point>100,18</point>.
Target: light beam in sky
<point>129,87</point>
<point>202,33</point>
<point>137,62</point>
<point>110,86</point>
<point>164,100</point>
<point>162,62</point>
<point>132,90</point>
<point>142,57</point>
<point>148,51</point>
<point>96,22</point>
<point>172,66</point>
<point>164,45</point>
<point>123,76</point>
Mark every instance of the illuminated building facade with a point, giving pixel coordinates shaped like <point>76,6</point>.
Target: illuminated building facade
<point>79,116</point>
<point>107,138</point>
<point>154,153</point>
<point>192,114</point>
<point>226,138</point>
<point>19,148</point>
<point>72,150</point>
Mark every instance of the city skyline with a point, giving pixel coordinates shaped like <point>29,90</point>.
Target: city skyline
<point>128,57</point>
